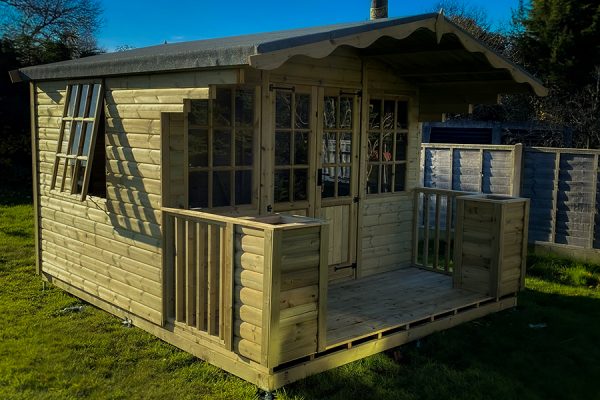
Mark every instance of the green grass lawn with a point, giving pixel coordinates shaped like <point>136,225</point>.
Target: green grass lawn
<point>49,352</point>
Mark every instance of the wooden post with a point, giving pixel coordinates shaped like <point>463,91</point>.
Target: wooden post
<point>525,241</point>
<point>226,310</point>
<point>168,290</point>
<point>499,219</point>
<point>517,154</point>
<point>457,273</point>
<point>267,146</point>
<point>165,161</point>
<point>362,163</point>
<point>35,177</point>
<point>271,291</point>
<point>323,285</point>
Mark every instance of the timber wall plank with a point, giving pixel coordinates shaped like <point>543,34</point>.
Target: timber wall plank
<point>111,248</point>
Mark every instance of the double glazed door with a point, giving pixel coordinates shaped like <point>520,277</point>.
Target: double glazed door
<point>316,164</point>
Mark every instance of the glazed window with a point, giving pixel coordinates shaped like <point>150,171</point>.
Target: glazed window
<point>292,135</point>
<point>387,142</point>
<point>74,164</point>
<point>221,149</point>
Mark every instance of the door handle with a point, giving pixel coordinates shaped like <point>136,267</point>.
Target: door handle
<point>320,177</point>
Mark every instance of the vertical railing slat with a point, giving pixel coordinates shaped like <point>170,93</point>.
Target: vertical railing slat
<point>449,204</point>
<point>436,246</point>
<point>190,273</point>
<point>179,269</point>
<point>426,229</point>
<point>201,276</point>
<point>212,280</point>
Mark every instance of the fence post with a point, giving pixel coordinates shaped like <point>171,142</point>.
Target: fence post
<point>517,170</point>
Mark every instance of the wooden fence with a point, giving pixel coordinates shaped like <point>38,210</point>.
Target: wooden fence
<point>563,185</point>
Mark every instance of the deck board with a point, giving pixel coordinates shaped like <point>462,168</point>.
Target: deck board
<point>365,307</point>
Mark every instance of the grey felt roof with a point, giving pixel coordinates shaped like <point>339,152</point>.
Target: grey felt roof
<point>228,51</point>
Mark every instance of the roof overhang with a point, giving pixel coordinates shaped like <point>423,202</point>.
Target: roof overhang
<point>428,50</point>
<point>510,78</point>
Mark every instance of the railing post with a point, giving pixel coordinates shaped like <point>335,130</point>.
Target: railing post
<point>226,315</point>
<point>415,251</point>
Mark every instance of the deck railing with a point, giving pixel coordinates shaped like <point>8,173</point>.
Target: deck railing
<point>434,222</point>
<point>198,255</point>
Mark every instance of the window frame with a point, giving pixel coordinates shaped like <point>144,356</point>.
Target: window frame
<point>69,121</point>
<point>232,168</point>
<point>382,98</point>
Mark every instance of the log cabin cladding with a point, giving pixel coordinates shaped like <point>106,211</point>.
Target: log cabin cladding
<point>199,149</point>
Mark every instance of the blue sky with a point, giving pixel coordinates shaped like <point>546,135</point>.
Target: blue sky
<point>140,23</point>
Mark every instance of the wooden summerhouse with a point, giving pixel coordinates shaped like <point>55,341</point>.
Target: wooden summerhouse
<point>253,200</point>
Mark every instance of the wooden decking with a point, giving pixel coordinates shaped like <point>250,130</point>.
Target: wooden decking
<point>392,300</point>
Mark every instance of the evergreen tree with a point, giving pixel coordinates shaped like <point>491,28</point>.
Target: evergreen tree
<point>560,41</point>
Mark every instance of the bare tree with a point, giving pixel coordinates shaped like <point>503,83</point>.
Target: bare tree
<point>475,21</point>
<point>33,24</point>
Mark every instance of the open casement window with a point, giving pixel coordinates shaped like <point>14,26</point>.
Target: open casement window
<point>81,117</point>
<point>386,147</point>
<point>221,148</point>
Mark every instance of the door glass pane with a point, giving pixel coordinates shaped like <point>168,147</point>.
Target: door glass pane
<point>346,147</point>
<point>222,107</point>
<point>221,147</point>
<point>221,189</point>
<point>388,114</point>
<point>387,146</point>
<point>283,110</point>
<point>301,148</point>
<point>386,178</point>
<point>374,114</point>
<point>329,148</point>
<point>282,148</point>
<point>329,112</point>
<point>302,111</point>
<point>346,112</point>
<point>373,179</point>
<point>400,147</point>
<point>344,181</point>
<point>243,187</point>
<point>402,122</point>
<point>300,184</point>
<point>198,193</point>
<point>243,147</point>
<point>244,107</point>
<point>198,114</point>
<point>328,185</point>
<point>282,185</point>
<point>399,177</point>
<point>373,146</point>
